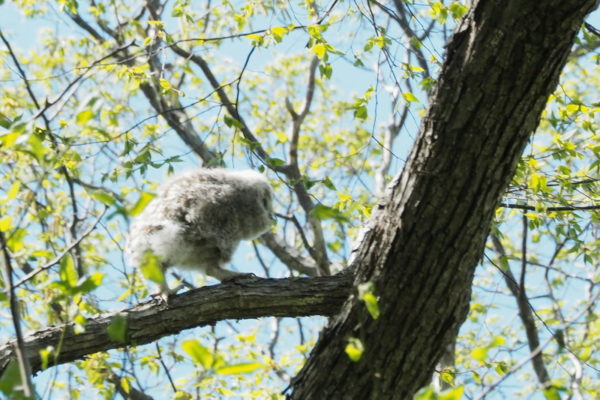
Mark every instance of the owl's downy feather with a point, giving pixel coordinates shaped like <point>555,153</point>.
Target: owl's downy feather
<point>199,217</point>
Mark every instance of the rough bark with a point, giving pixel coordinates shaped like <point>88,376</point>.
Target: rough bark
<point>149,321</point>
<point>423,243</point>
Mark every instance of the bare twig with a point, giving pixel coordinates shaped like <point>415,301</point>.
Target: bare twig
<point>18,344</point>
<point>162,362</point>
<point>67,89</point>
<point>59,257</point>
<point>561,208</point>
<point>534,353</point>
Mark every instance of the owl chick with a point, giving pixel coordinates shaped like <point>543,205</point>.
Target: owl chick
<point>197,220</point>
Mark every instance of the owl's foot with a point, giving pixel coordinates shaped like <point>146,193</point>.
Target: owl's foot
<point>225,275</point>
<point>165,293</point>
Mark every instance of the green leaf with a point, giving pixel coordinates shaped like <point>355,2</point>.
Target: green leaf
<point>504,263</point>
<point>151,268</point>
<point>90,283</point>
<point>501,367</point>
<point>325,70</point>
<point>200,354</point>
<point>426,393</point>
<point>551,393</point>
<point>360,112</point>
<point>36,146</point>
<point>447,375</point>
<point>10,379</point>
<point>278,33</point>
<point>67,271</point>
<point>15,241</point>
<point>365,293</point>
<point>5,223</point>
<point>275,162</point>
<point>229,121</point>
<point>84,116</point>
<point>328,184</point>
<point>5,122</point>
<point>458,10</point>
<point>479,353</point>
<point>322,211</point>
<point>372,305</point>
<point>103,197</point>
<point>408,96</point>
<point>452,394</point>
<point>165,84</point>
<point>117,330</point>
<point>142,202</point>
<point>497,341</point>
<point>13,191</point>
<point>320,50</point>
<point>242,368</point>
<point>45,356</point>
<point>354,349</point>
<point>476,377</point>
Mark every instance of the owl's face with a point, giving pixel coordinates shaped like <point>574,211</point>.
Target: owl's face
<point>266,200</point>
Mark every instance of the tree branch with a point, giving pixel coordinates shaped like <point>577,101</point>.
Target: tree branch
<point>149,321</point>
<point>288,255</point>
<point>517,289</point>
<point>561,208</point>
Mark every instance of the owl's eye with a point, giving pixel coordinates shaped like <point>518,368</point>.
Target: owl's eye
<point>266,202</point>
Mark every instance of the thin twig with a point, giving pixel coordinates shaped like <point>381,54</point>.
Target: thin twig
<point>19,347</point>
<point>549,209</point>
<point>58,258</point>
<point>162,362</point>
<point>535,352</point>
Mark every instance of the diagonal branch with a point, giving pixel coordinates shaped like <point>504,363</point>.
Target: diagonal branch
<point>288,255</point>
<point>230,106</point>
<point>517,289</point>
<point>149,321</point>
<point>290,170</point>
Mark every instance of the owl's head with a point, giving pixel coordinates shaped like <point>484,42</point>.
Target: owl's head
<point>262,189</point>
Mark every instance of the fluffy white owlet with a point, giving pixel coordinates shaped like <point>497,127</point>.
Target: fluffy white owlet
<point>198,218</point>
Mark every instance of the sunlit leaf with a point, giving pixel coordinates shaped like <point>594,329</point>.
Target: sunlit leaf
<point>13,191</point>
<point>199,354</point>
<point>84,116</point>
<point>354,349</point>
<point>142,202</point>
<point>67,271</point>
<point>320,50</point>
<point>90,283</point>
<point>151,268</point>
<point>479,353</point>
<point>5,223</point>
<point>452,394</point>
<point>408,96</point>
<point>103,197</point>
<point>241,368</point>
<point>366,294</point>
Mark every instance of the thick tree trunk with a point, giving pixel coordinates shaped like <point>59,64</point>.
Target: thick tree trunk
<point>425,239</point>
